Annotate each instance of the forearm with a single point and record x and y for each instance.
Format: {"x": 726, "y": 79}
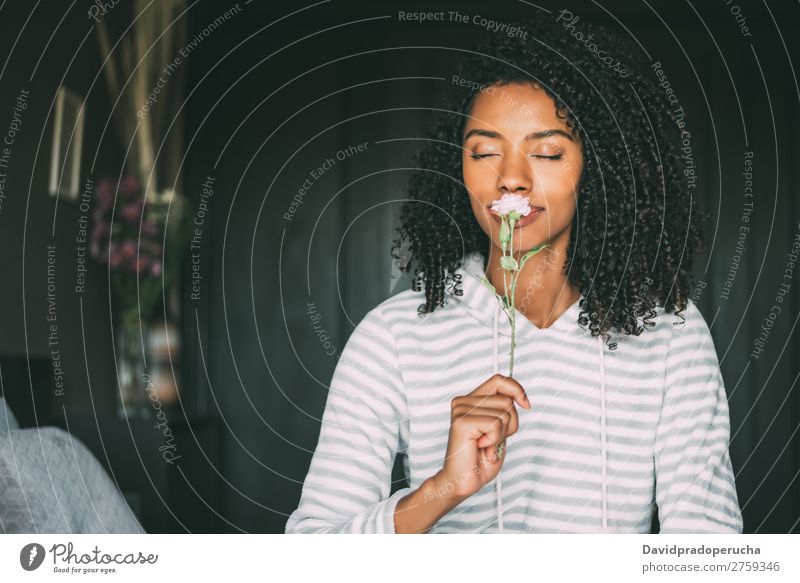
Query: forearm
{"x": 421, "y": 509}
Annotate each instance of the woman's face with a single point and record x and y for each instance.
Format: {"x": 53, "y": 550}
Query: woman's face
{"x": 514, "y": 143}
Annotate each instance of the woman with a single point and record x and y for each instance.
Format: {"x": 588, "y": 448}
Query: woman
{"x": 617, "y": 406}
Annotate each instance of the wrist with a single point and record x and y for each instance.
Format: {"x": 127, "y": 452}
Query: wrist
{"x": 445, "y": 489}
{"x": 419, "y": 511}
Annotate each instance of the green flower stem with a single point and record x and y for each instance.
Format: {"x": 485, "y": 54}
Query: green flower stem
{"x": 509, "y": 263}
{"x": 512, "y": 308}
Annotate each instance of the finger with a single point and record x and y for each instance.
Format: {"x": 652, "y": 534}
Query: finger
{"x": 498, "y": 402}
{"x": 494, "y": 401}
{"x": 488, "y": 429}
{"x": 513, "y": 425}
{"x": 510, "y": 424}
{"x": 506, "y": 423}
{"x": 510, "y": 418}
{"x": 489, "y": 455}
{"x": 502, "y": 385}
{"x": 468, "y": 410}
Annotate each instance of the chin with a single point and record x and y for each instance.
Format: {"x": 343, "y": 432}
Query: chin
{"x": 528, "y": 240}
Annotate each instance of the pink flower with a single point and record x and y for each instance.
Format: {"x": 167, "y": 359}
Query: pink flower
{"x": 141, "y": 264}
{"x": 128, "y": 249}
{"x": 130, "y": 186}
{"x": 100, "y": 231}
{"x": 155, "y": 268}
{"x": 105, "y": 194}
{"x": 131, "y": 212}
{"x": 511, "y": 202}
{"x": 115, "y": 255}
{"x": 105, "y": 187}
{"x": 150, "y": 228}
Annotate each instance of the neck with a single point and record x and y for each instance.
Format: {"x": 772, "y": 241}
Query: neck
{"x": 543, "y": 291}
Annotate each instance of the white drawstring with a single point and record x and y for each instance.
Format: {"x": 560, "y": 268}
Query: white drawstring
{"x": 496, "y": 367}
{"x": 603, "y": 429}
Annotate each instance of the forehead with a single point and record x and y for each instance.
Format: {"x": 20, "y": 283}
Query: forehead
{"x": 515, "y": 106}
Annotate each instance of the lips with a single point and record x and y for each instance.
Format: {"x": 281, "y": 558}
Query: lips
{"x": 527, "y": 219}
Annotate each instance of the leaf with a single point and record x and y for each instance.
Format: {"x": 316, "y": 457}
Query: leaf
{"x": 530, "y": 254}
{"x": 508, "y": 262}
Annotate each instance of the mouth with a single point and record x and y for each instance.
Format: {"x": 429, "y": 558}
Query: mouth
{"x": 526, "y": 220}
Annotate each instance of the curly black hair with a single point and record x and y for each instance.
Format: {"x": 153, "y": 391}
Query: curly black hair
{"x": 637, "y": 224}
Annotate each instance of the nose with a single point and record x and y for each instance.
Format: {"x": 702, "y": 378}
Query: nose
{"x": 514, "y": 175}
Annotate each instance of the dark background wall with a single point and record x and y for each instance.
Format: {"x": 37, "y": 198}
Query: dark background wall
{"x": 272, "y": 93}
{"x": 30, "y": 220}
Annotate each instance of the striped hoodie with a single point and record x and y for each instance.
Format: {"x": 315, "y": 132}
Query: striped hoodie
{"x": 610, "y": 435}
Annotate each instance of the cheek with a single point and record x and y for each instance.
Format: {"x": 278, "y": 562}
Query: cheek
{"x": 559, "y": 181}
{"x": 468, "y": 173}
{"x": 477, "y": 176}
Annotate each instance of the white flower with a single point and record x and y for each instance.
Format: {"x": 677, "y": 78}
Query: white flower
{"x": 511, "y": 202}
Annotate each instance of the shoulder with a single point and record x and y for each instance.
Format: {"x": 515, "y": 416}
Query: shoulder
{"x": 395, "y": 312}
{"x": 670, "y": 328}
{"x": 690, "y": 337}
{"x": 384, "y": 324}
{"x": 687, "y": 323}
{"x": 369, "y": 361}
{"x": 677, "y": 323}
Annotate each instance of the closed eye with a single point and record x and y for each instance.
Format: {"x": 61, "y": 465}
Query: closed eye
{"x": 558, "y": 156}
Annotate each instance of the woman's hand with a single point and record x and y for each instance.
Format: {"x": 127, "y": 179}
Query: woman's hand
{"x": 479, "y": 421}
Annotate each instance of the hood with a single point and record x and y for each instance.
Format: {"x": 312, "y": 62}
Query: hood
{"x": 485, "y": 306}
{"x": 482, "y": 304}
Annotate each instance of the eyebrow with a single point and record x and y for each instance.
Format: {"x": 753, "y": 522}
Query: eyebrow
{"x": 531, "y": 136}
